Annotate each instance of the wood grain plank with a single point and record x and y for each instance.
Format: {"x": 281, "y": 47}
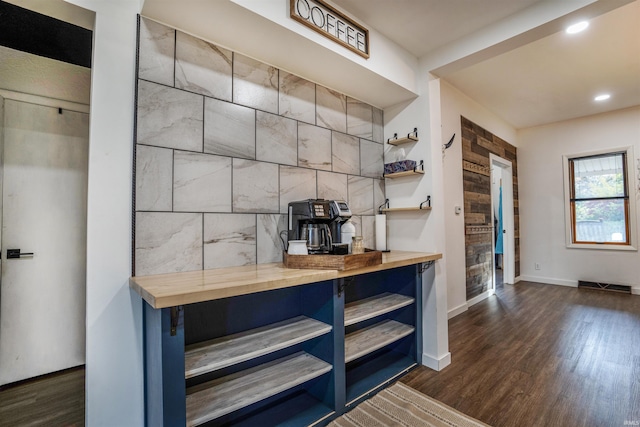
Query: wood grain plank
{"x": 219, "y": 353}
{"x": 367, "y": 340}
{"x": 213, "y": 399}
{"x": 361, "y": 310}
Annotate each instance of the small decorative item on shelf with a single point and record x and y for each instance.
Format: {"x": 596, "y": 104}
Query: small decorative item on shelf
{"x": 403, "y": 166}
{"x": 357, "y": 246}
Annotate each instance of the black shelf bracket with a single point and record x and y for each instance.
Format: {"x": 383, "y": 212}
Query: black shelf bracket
{"x": 419, "y": 167}
{"x": 175, "y": 317}
{"x": 384, "y": 205}
{"x": 342, "y": 284}
{"x": 414, "y": 134}
{"x": 427, "y": 202}
{"x": 425, "y": 266}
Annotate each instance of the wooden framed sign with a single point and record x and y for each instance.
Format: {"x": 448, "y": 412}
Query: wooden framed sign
{"x": 332, "y": 24}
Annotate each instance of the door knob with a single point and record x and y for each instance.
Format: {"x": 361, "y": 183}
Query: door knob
{"x": 15, "y": 253}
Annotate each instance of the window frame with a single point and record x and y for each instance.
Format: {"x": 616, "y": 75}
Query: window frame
{"x": 629, "y": 201}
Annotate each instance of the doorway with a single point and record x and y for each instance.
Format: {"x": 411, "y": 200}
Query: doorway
{"x": 45, "y": 80}
{"x": 44, "y": 196}
{"x": 503, "y": 248}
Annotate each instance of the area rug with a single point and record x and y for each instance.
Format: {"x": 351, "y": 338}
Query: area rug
{"x": 402, "y": 406}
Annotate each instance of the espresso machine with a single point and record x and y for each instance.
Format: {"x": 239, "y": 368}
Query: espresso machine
{"x": 318, "y": 222}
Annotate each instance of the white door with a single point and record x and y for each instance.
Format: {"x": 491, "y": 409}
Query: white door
{"x": 44, "y": 196}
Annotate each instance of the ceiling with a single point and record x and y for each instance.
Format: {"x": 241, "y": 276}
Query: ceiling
{"x": 551, "y": 79}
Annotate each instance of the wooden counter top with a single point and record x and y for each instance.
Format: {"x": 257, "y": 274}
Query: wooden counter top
{"x": 168, "y": 290}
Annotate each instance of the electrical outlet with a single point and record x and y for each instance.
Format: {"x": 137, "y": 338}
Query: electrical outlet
{"x": 537, "y": 266}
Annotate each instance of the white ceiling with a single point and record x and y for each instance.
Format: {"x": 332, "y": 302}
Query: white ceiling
{"x": 421, "y": 26}
{"x": 552, "y": 79}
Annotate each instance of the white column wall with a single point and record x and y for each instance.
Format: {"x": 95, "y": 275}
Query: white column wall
{"x": 114, "y": 370}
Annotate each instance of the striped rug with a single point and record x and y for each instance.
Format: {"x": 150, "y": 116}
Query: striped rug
{"x": 402, "y": 406}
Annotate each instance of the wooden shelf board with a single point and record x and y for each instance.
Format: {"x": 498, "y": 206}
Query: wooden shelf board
{"x": 403, "y": 140}
{"x": 229, "y": 350}
{"x": 404, "y": 173}
{"x": 213, "y": 399}
{"x": 407, "y": 209}
{"x": 359, "y": 311}
{"x": 367, "y": 340}
{"x": 299, "y": 409}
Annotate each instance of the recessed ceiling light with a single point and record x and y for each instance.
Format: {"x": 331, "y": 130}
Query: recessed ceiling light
{"x": 602, "y": 97}
{"x": 576, "y": 28}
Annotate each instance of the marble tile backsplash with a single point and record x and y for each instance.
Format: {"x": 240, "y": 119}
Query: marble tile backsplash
{"x": 225, "y": 142}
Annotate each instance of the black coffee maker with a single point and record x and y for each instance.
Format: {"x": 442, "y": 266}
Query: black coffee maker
{"x": 310, "y": 220}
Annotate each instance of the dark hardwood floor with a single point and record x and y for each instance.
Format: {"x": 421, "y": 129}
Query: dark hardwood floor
{"x": 542, "y": 355}
{"x": 51, "y": 400}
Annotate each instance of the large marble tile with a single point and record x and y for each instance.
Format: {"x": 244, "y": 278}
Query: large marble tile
{"x": 255, "y": 186}
{"x": 371, "y": 159}
{"x": 203, "y": 67}
{"x": 331, "y": 109}
{"x": 314, "y": 147}
{"x": 270, "y": 246}
{"x": 296, "y": 184}
{"x": 255, "y": 84}
{"x": 332, "y": 186}
{"x": 168, "y": 242}
{"x": 154, "y": 168}
{"x": 297, "y": 98}
{"x": 378, "y": 125}
{"x": 201, "y": 183}
{"x": 345, "y": 153}
{"x": 276, "y": 139}
{"x": 229, "y": 240}
{"x": 229, "y": 129}
{"x": 169, "y": 117}
{"x": 360, "y": 195}
{"x": 157, "y": 47}
{"x": 359, "y": 119}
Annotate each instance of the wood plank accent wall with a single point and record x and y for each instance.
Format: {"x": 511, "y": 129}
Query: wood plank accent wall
{"x": 477, "y": 144}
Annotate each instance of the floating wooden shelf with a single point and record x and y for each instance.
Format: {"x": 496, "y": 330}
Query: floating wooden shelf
{"x": 359, "y": 311}
{"x": 213, "y": 399}
{"x": 403, "y": 173}
{"x": 367, "y": 340}
{"x": 411, "y": 137}
{"x": 219, "y": 353}
{"x": 408, "y": 209}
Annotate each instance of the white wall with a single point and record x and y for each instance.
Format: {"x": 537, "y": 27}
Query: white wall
{"x": 455, "y": 104}
{"x": 542, "y": 201}
{"x": 114, "y": 374}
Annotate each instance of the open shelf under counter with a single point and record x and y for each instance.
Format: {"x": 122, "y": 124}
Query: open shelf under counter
{"x": 209, "y": 356}
{"x": 367, "y": 340}
{"x": 213, "y": 399}
{"x": 361, "y": 310}
{"x": 368, "y": 377}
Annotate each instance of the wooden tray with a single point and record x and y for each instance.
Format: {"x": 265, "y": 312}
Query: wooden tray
{"x": 333, "y": 262}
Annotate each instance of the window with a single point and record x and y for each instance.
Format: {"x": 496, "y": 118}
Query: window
{"x": 599, "y": 204}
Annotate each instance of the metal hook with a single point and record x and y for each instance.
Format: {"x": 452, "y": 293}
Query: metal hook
{"x": 386, "y": 203}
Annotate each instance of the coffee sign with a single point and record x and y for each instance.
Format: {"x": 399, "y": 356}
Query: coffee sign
{"x": 332, "y": 24}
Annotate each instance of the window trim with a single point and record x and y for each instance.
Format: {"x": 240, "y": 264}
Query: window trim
{"x": 630, "y": 201}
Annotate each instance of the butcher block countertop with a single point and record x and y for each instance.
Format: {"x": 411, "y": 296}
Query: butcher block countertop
{"x": 173, "y": 289}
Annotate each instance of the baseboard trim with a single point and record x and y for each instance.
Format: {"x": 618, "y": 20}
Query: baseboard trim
{"x": 635, "y": 291}
{"x": 550, "y": 281}
{"x": 516, "y": 280}
{"x": 483, "y": 296}
{"x": 457, "y": 310}
{"x": 437, "y": 364}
